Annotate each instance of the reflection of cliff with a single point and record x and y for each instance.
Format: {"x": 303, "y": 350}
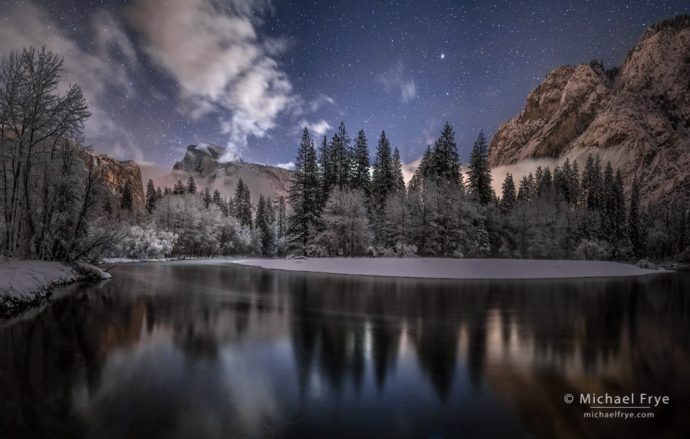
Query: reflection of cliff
{"x": 43, "y": 360}
{"x": 530, "y": 342}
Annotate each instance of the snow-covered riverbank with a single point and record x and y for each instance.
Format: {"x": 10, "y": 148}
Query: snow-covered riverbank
{"x": 26, "y": 282}
{"x": 446, "y": 268}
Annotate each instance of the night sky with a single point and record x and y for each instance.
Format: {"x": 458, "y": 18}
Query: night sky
{"x": 248, "y": 74}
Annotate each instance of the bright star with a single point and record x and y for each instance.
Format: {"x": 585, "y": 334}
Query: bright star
{"x": 443, "y": 56}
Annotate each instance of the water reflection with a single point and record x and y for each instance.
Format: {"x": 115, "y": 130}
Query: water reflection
{"x": 173, "y": 350}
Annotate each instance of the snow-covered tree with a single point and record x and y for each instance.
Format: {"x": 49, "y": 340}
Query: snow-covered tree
{"x": 304, "y": 197}
{"x": 345, "y": 225}
{"x": 479, "y": 172}
{"x": 145, "y": 242}
{"x": 360, "y": 173}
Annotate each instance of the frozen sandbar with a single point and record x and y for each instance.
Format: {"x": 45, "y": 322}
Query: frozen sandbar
{"x": 448, "y": 268}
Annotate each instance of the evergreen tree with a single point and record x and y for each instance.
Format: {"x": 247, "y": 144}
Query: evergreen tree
{"x": 179, "y": 188}
{"x": 264, "y": 226}
{"x": 444, "y": 161}
{"x": 207, "y": 197}
{"x": 326, "y": 169}
{"x": 360, "y": 174}
{"x": 592, "y": 184}
{"x": 621, "y": 243}
{"x": 304, "y": 196}
{"x": 634, "y": 222}
{"x": 282, "y": 218}
{"x": 151, "y": 196}
{"x": 509, "y": 196}
{"x": 243, "y": 205}
{"x": 383, "y": 178}
{"x": 191, "y": 185}
{"x": 479, "y": 172}
{"x": 218, "y": 201}
{"x": 341, "y": 157}
{"x": 127, "y": 202}
{"x": 399, "y": 181}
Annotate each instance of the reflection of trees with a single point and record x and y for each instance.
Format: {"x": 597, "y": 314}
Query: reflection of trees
{"x": 550, "y": 336}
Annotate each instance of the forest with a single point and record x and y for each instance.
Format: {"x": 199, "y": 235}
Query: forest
{"x": 341, "y": 202}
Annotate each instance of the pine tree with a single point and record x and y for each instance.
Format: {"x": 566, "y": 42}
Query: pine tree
{"x": 360, "y": 174}
{"x": 151, "y": 196}
{"x": 191, "y": 185}
{"x": 264, "y": 226}
{"x": 479, "y": 172}
{"x": 179, "y": 188}
{"x": 399, "y": 181}
{"x": 207, "y": 197}
{"x": 243, "y": 206}
{"x": 509, "y": 197}
{"x": 592, "y": 184}
{"x": 621, "y": 241}
{"x": 383, "y": 179}
{"x": 326, "y": 169}
{"x": 218, "y": 201}
{"x": 444, "y": 162}
{"x": 127, "y": 202}
{"x": 282, "y": 218}
{"x": 342, "y": 157}
{"x": 633, "y": 223}
{"x": 304, "y": 196}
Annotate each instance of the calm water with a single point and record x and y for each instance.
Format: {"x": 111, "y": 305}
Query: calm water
{"x": 174, "y": 350}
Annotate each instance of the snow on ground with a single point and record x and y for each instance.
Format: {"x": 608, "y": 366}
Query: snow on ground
{"x": 28, "y": 281}
{"x": 446, "y": 268}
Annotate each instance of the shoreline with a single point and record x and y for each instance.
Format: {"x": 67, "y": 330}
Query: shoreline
{"x": 27, "y": 283}
{"x": 453, "y": 269}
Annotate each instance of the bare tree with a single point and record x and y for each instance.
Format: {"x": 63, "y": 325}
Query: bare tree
{"x": 40, "y": 133}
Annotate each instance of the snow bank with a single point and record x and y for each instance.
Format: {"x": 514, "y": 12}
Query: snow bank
{"x": 446, "y": 268}
{"x": 25, "y": 282}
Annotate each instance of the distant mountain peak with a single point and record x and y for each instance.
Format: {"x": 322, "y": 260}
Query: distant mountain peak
{"x": 203, "y": 162}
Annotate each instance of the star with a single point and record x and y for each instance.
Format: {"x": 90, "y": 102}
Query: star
{"x": 443, "y": 56}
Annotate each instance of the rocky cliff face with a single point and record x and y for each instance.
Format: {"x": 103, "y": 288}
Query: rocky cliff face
{"x": 115, "y": 175}
{"x": 637, "y": 116}
{"x": 202, "y": 162}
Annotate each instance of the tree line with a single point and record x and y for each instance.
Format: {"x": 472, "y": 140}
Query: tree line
{"x": 341, "y": 202}
{"x": 344, "y": 206}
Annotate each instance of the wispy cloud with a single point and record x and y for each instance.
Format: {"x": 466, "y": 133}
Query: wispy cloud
{"x": 319, "y": 128}
{"x": 95, "y": 71}
{"x": 396, "y": 79}
{"x": 220, "y": 62}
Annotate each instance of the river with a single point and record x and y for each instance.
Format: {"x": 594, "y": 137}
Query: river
{"x": 170, "y": 350}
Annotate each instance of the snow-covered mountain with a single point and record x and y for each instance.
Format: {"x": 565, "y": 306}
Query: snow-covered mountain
{"x": 636, "y": 116}
{"x": 203, "y": 163}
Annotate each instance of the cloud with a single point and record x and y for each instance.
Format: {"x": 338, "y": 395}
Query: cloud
{"x": 395, "y": 79}
{"x": 95, "y": 72}
{"x": 316, "y": 128}
{"x": 220, "y": 63}
{"x": 289, "y": 165}
{"x": 519, "y": 170}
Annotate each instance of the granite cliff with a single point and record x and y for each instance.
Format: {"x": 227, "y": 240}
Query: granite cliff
{"x": 637, "y": 116}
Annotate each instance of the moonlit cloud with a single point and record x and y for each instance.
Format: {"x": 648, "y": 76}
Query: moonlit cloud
{"x": 319, "y": 128}
{"x": 220, "y": 63}
{"x": 95, "y": 71}
{"x": 396, "y": 79}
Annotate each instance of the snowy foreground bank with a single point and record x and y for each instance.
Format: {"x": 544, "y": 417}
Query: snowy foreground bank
{"x": 26, "y": 282}
{"x": 446, "y": 268}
